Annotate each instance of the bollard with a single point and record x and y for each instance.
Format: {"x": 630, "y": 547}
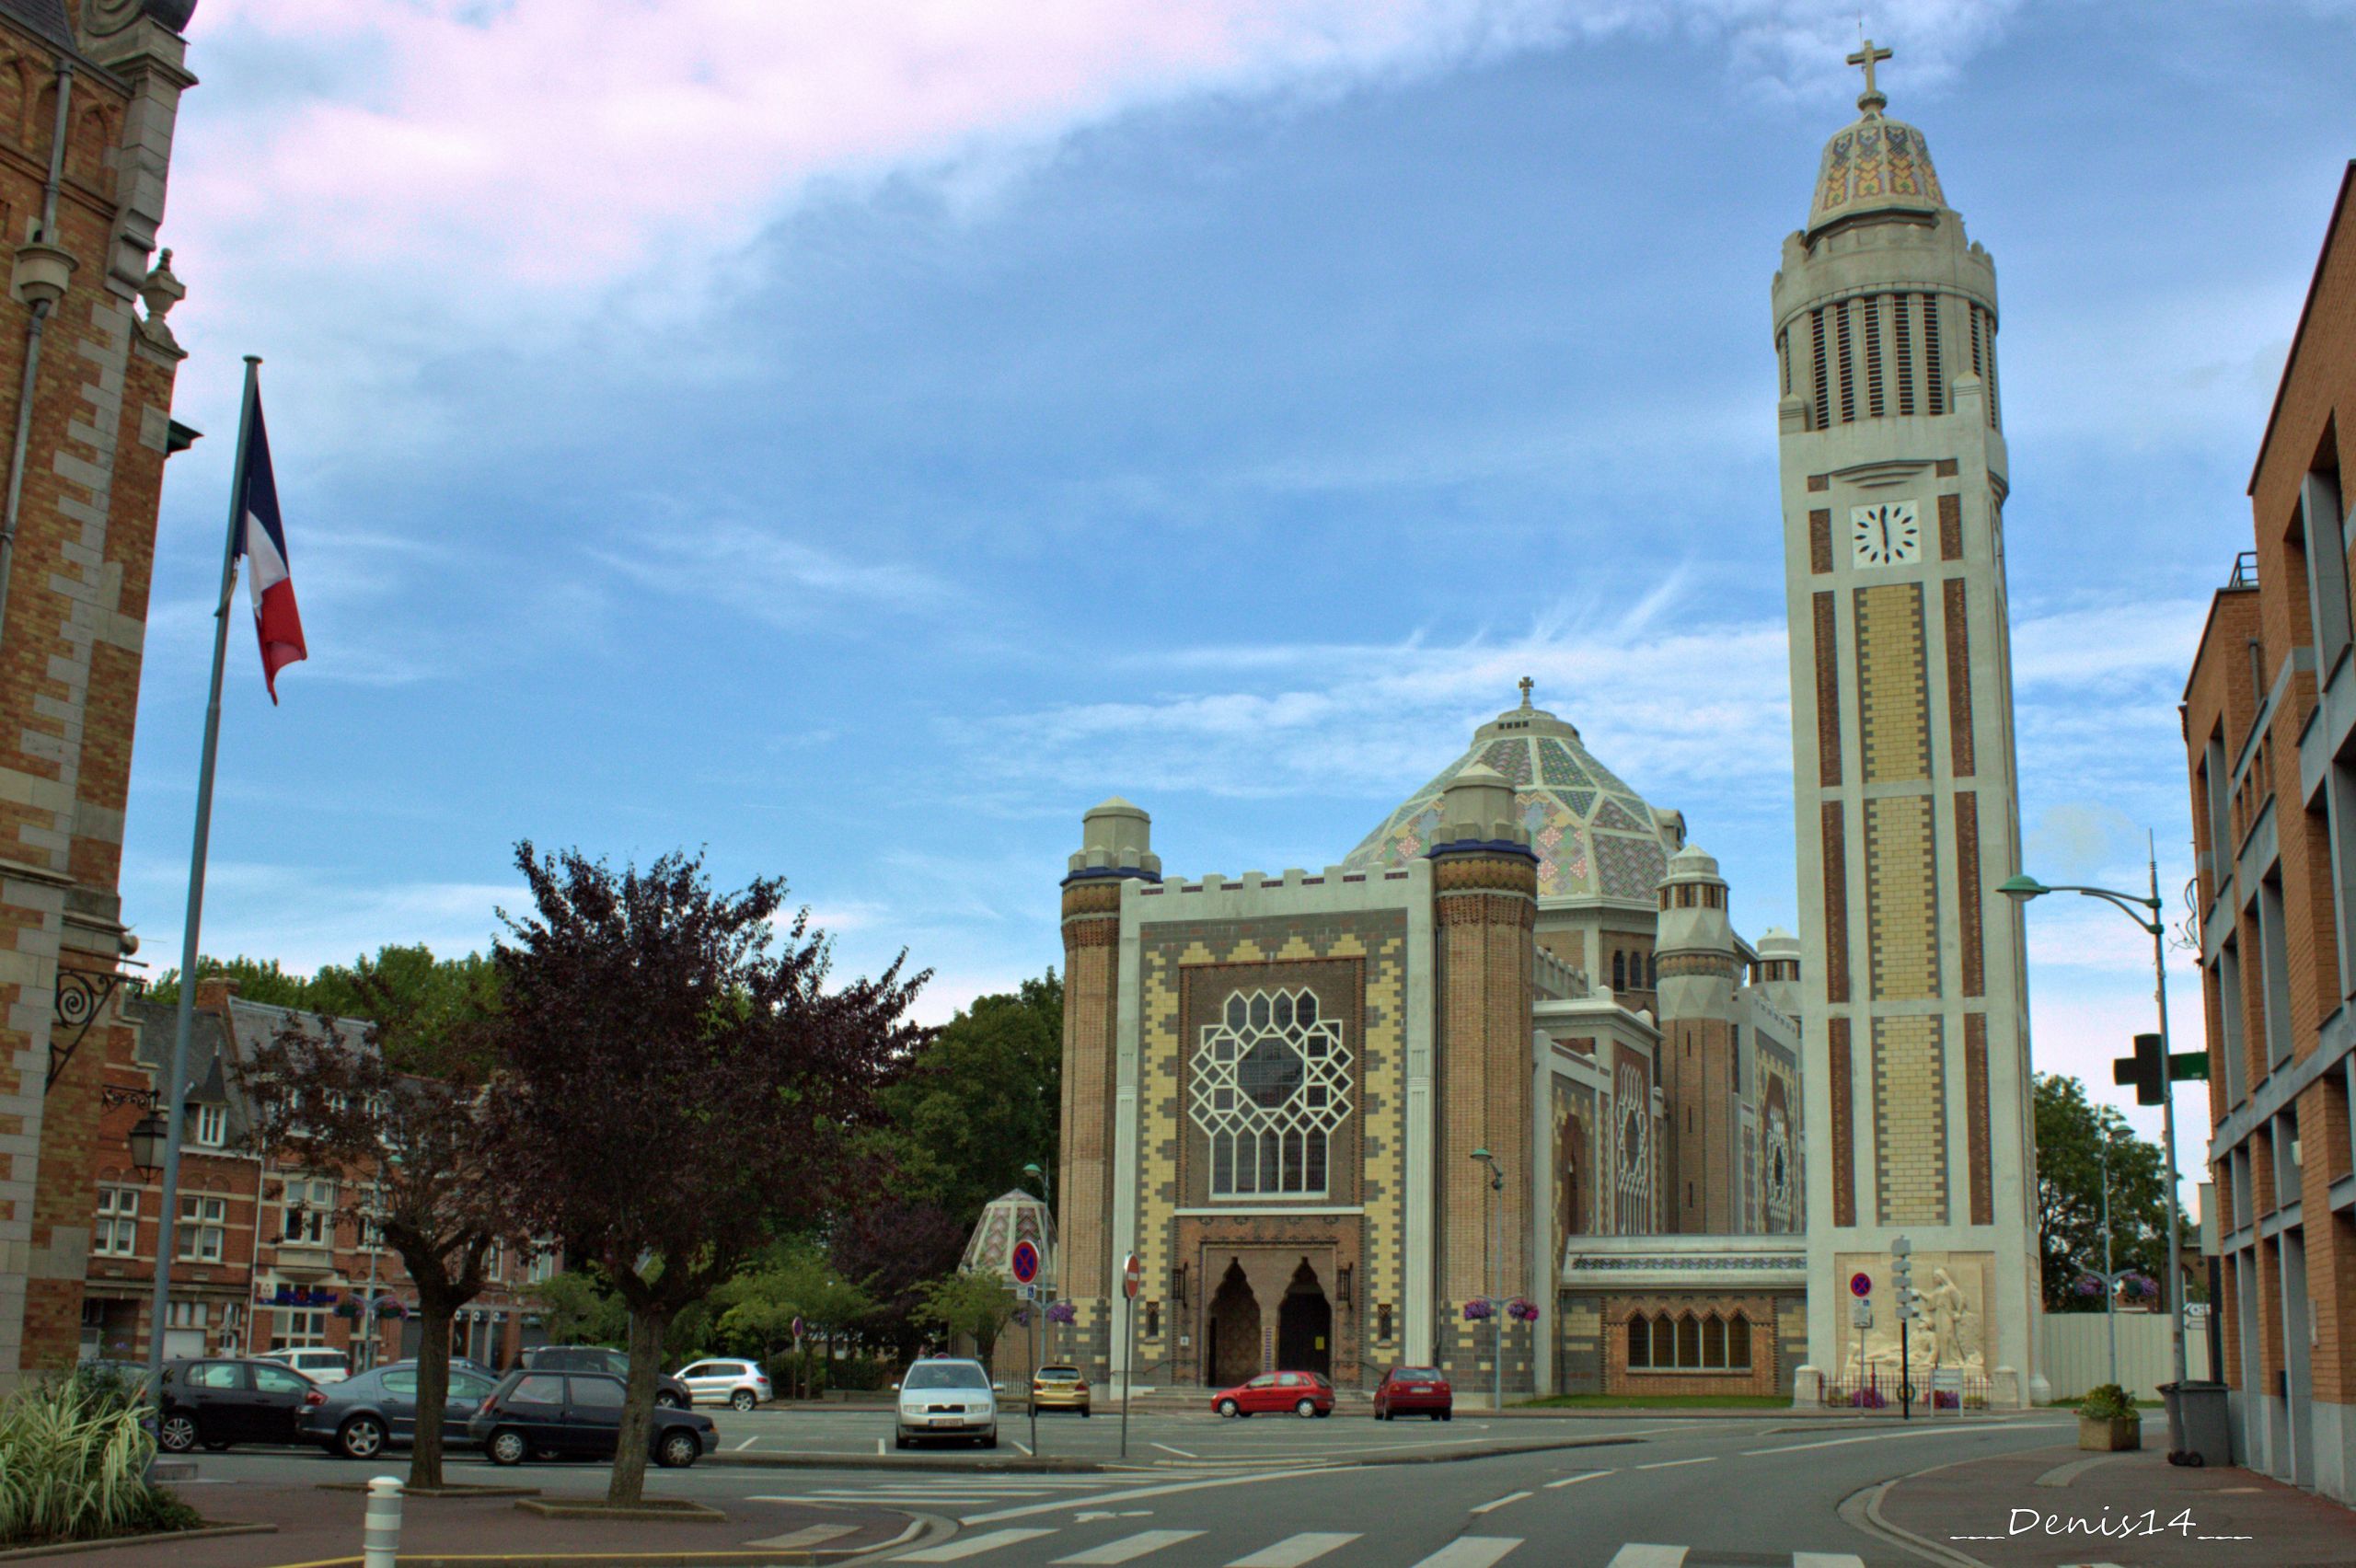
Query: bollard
{"x": 380, "y": 1537}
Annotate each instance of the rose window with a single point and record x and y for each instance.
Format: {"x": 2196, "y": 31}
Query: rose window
{"x": 1271, "y": 1083}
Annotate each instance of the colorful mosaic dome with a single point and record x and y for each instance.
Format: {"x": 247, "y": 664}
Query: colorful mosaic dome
{"x": 1010, "y": 1218}
{"x": 1595, "y": 836}
{"x": 1875, "y": 164}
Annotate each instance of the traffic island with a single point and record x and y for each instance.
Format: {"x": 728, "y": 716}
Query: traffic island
{"x": 683, "y": 1510}
{"x": 2046, "y": 1507}
{"x": 448, "y": 1489}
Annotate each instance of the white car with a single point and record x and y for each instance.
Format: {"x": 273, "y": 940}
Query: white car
{"x": 946, "y": 1398}
{"x": 319, "y": 1366}
{"x": 743, "y": 1384}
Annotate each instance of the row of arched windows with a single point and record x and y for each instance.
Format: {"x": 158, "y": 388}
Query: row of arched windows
{"x": 1635, "y": 970}
{"x": 1660, "y": 1343}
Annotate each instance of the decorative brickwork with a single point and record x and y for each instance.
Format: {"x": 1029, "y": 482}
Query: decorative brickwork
{"x": 1820, "y": 540}
{"x": 1828, "y": 692}
{"x": 1950, "y": 527}
{"x": 1910, "y": 1122}
{"x": 1766, "y": 1374}
{"x": 1960, "y": 748}
{"x": 1842, "y": 1075}
{"x": 1901, "y": 897}
{"x": 1893, "y": 691}
{"x": 1820, "y": 482}
{"x": 1970, "y": 915}
{"x": 1944, "y": 468}
{"x": 1836, "y": 904}
{"x": 1975, "y": 1113}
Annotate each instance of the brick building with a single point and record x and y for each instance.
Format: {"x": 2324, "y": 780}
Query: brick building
{"x": 89, "y": 91}
{"x": 2270, "y": 726}
{"x": 272, "y": 1256}
{"x": 1276, "y": 1088}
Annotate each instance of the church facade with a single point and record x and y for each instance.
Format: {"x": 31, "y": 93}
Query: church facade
{"x": 1355, "y": 1118}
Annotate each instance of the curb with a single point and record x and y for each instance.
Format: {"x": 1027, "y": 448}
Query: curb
{"x": 1921, "y": 1546}
{"x": 435, "y": 1494}
{"x": 66, "y": 1548}
{"x": 1093, "y": 1467}
{"x": 681, "y": 1510}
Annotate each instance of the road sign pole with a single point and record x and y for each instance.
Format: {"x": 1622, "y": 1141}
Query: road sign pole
{"x": 1033, "y": 1400}
{"x": 1128, "y": 1371}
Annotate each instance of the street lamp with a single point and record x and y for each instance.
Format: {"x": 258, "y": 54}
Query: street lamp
{"x": 1497, "y": 1323}
{"x": 2145, "y": 910}
{"x": 148, "y": 1139}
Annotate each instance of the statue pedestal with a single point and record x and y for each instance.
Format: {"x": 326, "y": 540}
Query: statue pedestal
{"x": 2005, "y": 1389}
{"x": 1807, "y": 1388}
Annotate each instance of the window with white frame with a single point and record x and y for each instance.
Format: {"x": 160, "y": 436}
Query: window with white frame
{"x": 185, "y": 1315}
{"x": 1272, "y": 1082}
{"x": 546, "y": 1265}
{"x": 212, "y": 1125}
{"x": 310, "y": 1212}
{"x": 116, "y": 1234}
{"x": 203, "y": 1229}
{"x": 292, "y": 1329}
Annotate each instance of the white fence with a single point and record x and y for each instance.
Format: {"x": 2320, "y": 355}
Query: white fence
{"x": 2077, "y": 1355}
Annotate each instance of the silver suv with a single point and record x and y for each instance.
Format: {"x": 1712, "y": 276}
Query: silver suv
{"x": 946, "y": 1398}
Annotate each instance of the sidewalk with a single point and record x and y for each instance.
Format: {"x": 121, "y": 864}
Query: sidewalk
{"x": 2048, "y": 1506}
{"x": 317, "y": 1526}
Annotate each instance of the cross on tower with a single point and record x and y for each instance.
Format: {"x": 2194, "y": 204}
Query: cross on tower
{"x": 1526, "y": 684}
{"x": 1868, "y": 56}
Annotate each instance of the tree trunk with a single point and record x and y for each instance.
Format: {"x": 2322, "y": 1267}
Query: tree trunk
{"x": 432, "y": 1390}
{"x": 636, "y": 1436}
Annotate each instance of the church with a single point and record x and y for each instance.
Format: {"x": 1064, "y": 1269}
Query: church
{"x": 1504, "y": 1090}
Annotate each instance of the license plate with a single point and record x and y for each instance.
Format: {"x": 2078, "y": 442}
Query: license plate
{"x": 948, "y": 1420}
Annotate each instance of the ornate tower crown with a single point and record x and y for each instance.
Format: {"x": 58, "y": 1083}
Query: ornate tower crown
{"x": 1876, "y": 164}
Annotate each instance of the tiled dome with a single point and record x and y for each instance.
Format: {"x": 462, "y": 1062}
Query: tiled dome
{"x": 1594, "y": 835}
{"x": 1875, "y": 164}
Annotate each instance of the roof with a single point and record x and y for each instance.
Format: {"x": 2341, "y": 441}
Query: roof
{"x": 2315, "y": 286}
{"x": 1006, "y": 1219}
{"x": 1595, "y": 836}
{"x": 210, "y": 1076}
{"x": 46, "y": 20}
{"x": 1875, "y": 164}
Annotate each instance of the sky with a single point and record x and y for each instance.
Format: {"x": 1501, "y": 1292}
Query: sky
{"x": 850, "y": 440}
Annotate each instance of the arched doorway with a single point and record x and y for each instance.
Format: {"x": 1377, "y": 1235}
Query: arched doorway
{"x": 1305, "y": 1325}
{"x": 1231, "y": 1348}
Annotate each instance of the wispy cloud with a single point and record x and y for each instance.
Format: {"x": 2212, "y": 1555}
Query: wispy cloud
{"x": 763, "y": 574}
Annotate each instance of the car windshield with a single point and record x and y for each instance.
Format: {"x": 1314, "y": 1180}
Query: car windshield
{"x": 944, "y": 1375}
{"x": 1415, "y": 1375}
{"x": 1058, "y": 1371}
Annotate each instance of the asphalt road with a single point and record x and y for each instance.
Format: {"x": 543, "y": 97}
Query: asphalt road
{"x": 1281, "y": 1492}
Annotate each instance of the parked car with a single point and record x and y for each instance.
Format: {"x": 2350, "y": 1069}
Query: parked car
{"x": 1059, "y": 1388}
{"x": 218, "y": 1402}
{"x": 1414, "y": 1391}
{"x": 561, "y": 1414}
{"x": 1303, "y": 1393}
{"x": 319, "y": 1365}
{"x": 943, "y": 1396}
{"x": 669, "y": 1392}
{"x": 362, "y": 1416}
{"x": 740, "y": 1384}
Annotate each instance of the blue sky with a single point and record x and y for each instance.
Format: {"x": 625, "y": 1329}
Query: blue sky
{"x": 856, "y": 442}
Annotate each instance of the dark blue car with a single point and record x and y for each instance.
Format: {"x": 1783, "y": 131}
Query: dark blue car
{"x": 376, "y": 1411}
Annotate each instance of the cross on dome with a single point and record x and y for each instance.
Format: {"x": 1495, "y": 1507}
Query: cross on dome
{"x": 1867, "y": 55}
{"x": 1526, "y": 684}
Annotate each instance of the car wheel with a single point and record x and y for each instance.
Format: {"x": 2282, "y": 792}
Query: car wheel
{"x": 1447, "y": 1415}
{"x": 677, "y": 1450}
{"x": 741, "y": 1400}
{"x": 1305, "y": 1409}
{"x": 508, "y": 1447}
{"x": 1083, "y": 1412}
{"x": 363, "y": 1437}
{"x": 1228, "y": 1408}
{"x": 990, "y": 1441}
{"x": 900, "y": 1440}
{"x": 666, "y": 1399}
{"x": 179, "y": 1434}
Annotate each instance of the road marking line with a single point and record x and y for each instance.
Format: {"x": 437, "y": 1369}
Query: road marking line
{"x": 1169, "y": 1488}
{"x": 1886, "y": 1436}
{"x": 1638, "y": 1555}
{"x": 879, "y": 1447}
{"x": 1294, "y": 1550}
{"x": 972, "y": 1546}
{"x": 1495, "y": 1503}
{"x": 1471, "y": 1551}
{"x": 1574, "y": 1480}
{"x": 809, "y": 1535}
{"x": 746, "y": 1443}
{"x": 1672, "y": 1464}
{"x": 1826, "y": 1559}
{"x": 1180, "y": 1452}
{"x": 1130, "y": 1547}
{"x": 1018, "y": 1442}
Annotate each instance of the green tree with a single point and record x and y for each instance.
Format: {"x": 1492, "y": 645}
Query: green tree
{"x": 259, "y": 980}
{"x": 2071, "y": 1133}
{"x": 980, "y": 1101}
{"x": 756, "y": 1310}
{"x": 578, "y": 1307}
{"x": 971, "y": 1301}
{"x": 419, "y": 1003}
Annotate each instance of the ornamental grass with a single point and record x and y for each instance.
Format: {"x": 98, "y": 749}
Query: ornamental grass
{"x": 73, "y": 1458}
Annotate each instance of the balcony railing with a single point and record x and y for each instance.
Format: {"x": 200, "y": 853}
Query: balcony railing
{"x": 2245, "y": 571}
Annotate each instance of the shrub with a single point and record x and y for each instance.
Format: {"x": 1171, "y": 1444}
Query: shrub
{"x": 73, "y": 1458}
{"x": 2108, "y": 1402}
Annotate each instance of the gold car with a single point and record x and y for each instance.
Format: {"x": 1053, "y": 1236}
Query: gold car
{"x": 1059, "y": 1388}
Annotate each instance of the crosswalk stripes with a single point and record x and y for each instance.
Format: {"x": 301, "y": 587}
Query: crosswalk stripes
{"x": 1294, "y": 1550}
{"x": 1826, "y": 1559}
{"x": 1471, "y": 1551}
{"x": 1126, "y": 1547}
{"x": 973, "y": 1546}
{"x": 1637, "y": 1554}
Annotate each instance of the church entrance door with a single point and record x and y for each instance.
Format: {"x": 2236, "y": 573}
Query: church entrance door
{"x": 1305, "y": 1326}
{"x": 1231, "y": 1344}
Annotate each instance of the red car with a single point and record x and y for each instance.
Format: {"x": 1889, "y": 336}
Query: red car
{"x": 1303, "y": 1393}
{"x": 1414, "y": 1391}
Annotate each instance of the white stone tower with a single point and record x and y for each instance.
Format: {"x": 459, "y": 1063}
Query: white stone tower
{"x": 1914, "y": 1003}
{"x": 1699, "y": 973}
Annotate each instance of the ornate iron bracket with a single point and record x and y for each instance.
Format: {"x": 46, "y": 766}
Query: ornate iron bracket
{"x": 82, "y": 996}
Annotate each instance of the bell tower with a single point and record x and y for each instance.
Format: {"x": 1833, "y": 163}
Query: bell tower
{"x": 1913, "y": 987}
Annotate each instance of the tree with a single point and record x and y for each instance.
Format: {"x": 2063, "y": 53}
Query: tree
{"x": 412, "y": 1151}
{"x": 414, "y": 998}
{"x": 259, "y": 980}
{"x": 891, "y": 1248}
{"x": 970, "y": 1301}
{"x": 678, "y": 1083}
{"x": 794, "y": 1281}
{"x": 981, "y": 1101}
{"x": 577, "y": 1307}
{"x": 2071, "y": 1133}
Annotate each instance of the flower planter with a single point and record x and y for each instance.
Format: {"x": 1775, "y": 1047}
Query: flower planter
{"x": 2118, "y": 1433}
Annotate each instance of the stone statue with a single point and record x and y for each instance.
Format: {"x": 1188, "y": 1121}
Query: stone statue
{"x": 1950, "y": 1313}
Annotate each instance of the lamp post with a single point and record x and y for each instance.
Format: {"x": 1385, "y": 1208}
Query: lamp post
{"x": 1496, "y": 1325}
{"x": 1039, "y": 1304}
{"x": 2145, "y": 910}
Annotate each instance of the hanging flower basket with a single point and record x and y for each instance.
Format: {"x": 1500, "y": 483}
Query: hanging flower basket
{"x": 1063, "y": 1312}
{"x": 389, "y": 1308}
{"x": 2140, "y": 1287}
{"x": 1478, "y": 1310}
{"x": 2087, "y": 1286}
{"x": 1022, "y": 1318}
{"x": 349, "y": 1310}
{"x": 1521, "y": 1311}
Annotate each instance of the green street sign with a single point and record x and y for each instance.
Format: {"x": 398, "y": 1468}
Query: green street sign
{"x": 2188, "y": 1067}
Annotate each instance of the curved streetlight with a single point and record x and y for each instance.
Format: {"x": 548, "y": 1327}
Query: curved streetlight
{"x": 2145, "y": 910}
{"x": 1497, "y": 1323}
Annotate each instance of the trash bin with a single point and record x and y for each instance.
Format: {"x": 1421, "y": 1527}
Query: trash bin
{"x": 2200, "y": 1432}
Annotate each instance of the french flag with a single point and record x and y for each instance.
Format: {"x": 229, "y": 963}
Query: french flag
{"x": 262, "y": 541}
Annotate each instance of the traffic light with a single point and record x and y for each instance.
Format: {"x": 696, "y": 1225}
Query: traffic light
{"x": 2146, "y": 1069}
{"x": 1902, "y": 1276}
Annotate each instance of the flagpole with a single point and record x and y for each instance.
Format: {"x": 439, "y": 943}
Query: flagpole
{"x": 174, "y": 1112}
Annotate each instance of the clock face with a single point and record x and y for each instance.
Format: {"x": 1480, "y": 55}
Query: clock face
{"x": 1887, "y": 532}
